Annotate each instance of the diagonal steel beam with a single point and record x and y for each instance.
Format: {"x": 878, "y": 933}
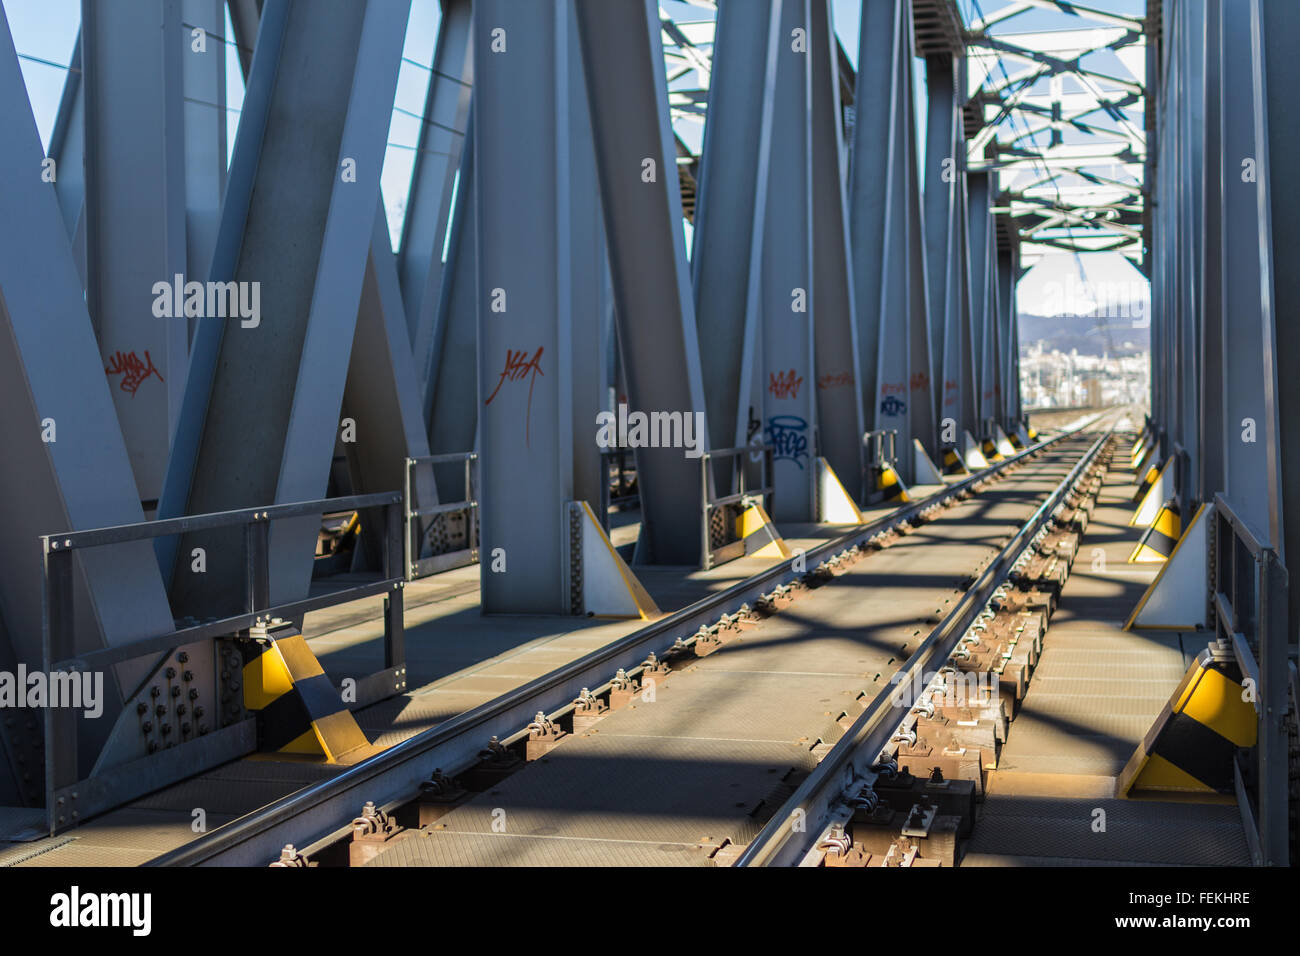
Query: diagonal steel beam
{"x": 623, "y": 59}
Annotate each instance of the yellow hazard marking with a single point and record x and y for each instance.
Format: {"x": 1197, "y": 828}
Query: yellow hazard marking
{"x": 754, "y": 520}
{"x": 1157, "y": 773}
{"x": 266, "y": 678}
{"x": 1216, "y": 702}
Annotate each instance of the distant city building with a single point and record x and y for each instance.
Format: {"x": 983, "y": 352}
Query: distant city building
{"x": 1050, "y": 378}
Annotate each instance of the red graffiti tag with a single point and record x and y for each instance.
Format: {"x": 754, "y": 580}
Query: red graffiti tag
{"x": 893, "y": 388}
{"x": 132, "y": 369}
{"x": 919, "y": 381}
{"x": 834, "y": 380}
{"x": 785, "y": 384}
{"x": 519, "y": 366}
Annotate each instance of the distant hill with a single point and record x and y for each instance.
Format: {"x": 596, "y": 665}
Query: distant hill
{"x": 1086, "y": 334}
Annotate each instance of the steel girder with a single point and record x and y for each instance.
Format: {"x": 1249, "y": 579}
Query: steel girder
{"x": 524, "y": 205}
{"x": 948, "y": 268}
{"x": 1222, "y": 227}
{"x": 888, "y": 239}
{"x": 786, "y": 301}
{"x": 381, "y": 396}
{"x": 1086, "y": 196}
{"x": 1008, "y": 351}
{"x": 944, "y": 155}
{"x": 729, "y": 212}
{"x": 429, "y": 205}
{"x": 151, "y": 199}
{"x": 984, "y": 297}
{"x": 774, "y": 295}
{"x": 627, "y": 88}
{"x": 68, "y": 150}
{"x": 839, "y": 398}
{"x": 65, "y": 464}
{"x": 261, "y": 412}
{"x": 450, "y": 397}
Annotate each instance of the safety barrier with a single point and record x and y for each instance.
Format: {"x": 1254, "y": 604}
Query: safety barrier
{"x": 744, "y": 496}
{"x": 69, "y": 798}
{"x": 1249, "y": 614}
{"x": 415, "y": 532}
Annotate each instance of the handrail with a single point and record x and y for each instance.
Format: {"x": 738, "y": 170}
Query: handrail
{"x": 1248, "y": 608}
{"x": 312, "y": 813}
{"x": 58, "y": 641}
{"x": 413, "y": 565}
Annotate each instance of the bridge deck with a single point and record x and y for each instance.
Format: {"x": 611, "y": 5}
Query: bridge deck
{"x": 1095, "y": 693}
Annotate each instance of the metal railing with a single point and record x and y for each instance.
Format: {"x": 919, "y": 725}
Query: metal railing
{"x": 710, "y": 556}
{"x": 312, "y": 817}
{"x": 879, "y": 449}
{"x": 1248, "y": 607}
{"x": 416, "y": 566}
{"x": 70, "y": 799}
{"x": 881, "y": 446}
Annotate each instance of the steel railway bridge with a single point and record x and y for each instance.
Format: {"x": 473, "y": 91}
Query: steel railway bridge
{"x": 606, "y": 435}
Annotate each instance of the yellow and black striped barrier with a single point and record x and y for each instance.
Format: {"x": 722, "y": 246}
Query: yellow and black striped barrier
{"x": 1159, "y": 540}
{"x": 952, "y": 463}
{"x": 298, "y": 708}
{"x": 991, "y": 450}
{"x": 1145, "y": 484}
{"x": 1191, "y": 745}
{"x": 761, "y": 538}
{"x": 889, "y": 486}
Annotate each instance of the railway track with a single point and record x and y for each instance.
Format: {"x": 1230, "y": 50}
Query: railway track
{"x": 733, "y": 731}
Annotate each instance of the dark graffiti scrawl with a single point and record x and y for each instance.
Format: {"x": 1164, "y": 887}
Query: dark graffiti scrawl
{"x": 788, "y": 436}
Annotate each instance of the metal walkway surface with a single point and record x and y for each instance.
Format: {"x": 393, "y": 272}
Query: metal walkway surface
{"x": 457, "y": 659}
{"x": 676, "y": 780}
{"x": 1096, "y": 692}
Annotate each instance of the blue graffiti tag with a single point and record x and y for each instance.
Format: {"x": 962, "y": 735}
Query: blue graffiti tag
{"x": 892, "y": 406}
{"x": 786, "y": 435}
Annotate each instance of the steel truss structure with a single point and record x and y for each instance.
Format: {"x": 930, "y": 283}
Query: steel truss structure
{"x": 1223, "y": 227}
{"x": 842, "y": 279}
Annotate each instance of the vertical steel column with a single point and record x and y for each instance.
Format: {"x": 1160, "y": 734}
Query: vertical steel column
{"x": 943, "y": 168}
{"x": 1192, "y": 140}
{"x": 522, "y": 133}
{"x": 1213, "y": 433}
{"x": 730, "y": 211}
{"x": 1007, "y": 344}
{"x": 960, "y": 386}
{"x": 835, "y": 371}
{"x": 1249, "y": 380}
{"x": 983, "y": 291}
{"x": 1275, "y": 25}
{"x": 135, "y": 166}
{"x": 888, "y": 242}
{"x": 787, "y": 299}
{"x": 588, "y": 282}
{"x": 623, "y": 57}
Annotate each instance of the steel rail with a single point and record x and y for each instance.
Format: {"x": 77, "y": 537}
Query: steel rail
{"x": 798, "y": 826}
{"x": 313, "y": 814}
